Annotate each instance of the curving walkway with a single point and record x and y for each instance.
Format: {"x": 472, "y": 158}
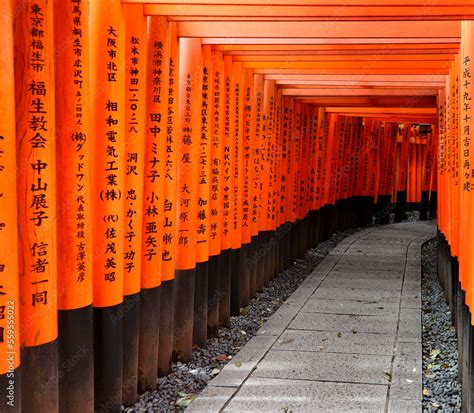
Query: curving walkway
{"x": 347, "y": 340}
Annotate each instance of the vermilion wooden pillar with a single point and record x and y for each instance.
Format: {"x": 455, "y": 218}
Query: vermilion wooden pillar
{"x": 219, "y": 267}
{"x": 156, "y": 57}
{"x": 136, "y": 65}
{"x": 267, "y": 187}
{"x": 10, "y": 384}
{"x": 203, "y": 204}
{"x": 257, "y": 182}
{"x": 247, "y": 181}
{"x": 107, "y": 25}
{"x": 74, "y": 142}
{"x": 169, "y": 244}
{"x": 189, "y": 130}
{"x": 35, "y": 131}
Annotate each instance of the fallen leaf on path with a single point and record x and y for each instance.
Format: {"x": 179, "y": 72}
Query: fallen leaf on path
{"x": 288, "y": 340}
{"x": 185, "y": 399}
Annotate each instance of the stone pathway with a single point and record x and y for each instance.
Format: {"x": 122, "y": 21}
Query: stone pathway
{"x": 347, "y": 340}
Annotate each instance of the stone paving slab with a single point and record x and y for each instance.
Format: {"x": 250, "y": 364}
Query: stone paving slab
{"x": 335, "y": 342}
{"x": 374, "y": 257}
{"x": 365, "y": 274}
{"x": 357, "y": 294}
{"x": 212, "y": 399}
{"x": 280, "y": 320}
{"x": 406, "y": 380}
{"x": 344, "y": 322}
{"x": 413, "y": 277}
{"x": 404, "y": 406}
{"x": 303, "y": 396}
{"x": 367, "y": 265}
{"x": 411, "y": 303}
{"x": 408, "y": 349}
{"x": 347, "y": 340}
{"x": 242, "y": 364}
{"x": 349, "y": 307}
{"x": 322, "y": 366}
{"x": 332, "y": 281}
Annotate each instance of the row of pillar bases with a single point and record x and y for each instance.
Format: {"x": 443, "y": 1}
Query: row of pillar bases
{"x": 448, "y": 273}
{"x": 105, "y": 357}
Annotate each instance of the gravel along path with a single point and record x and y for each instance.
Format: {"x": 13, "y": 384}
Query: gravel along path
{"x": 441, "y": 388}
{"x": 181, "y": 386}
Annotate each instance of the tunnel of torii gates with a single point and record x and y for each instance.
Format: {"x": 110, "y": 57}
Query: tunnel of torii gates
{"x": 160, "y": 163}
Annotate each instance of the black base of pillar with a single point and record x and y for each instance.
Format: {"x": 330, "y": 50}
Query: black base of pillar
{"x": 183, "y": 314}
{"x": 149, "y": 331}
{"x": 401, "y": 206}
{"x": 294, "y": 241}
{"x": 287, "y": 241}
{"x": 76, "y": 360}
{"x": 413, "y": 206}
{"x": 265, "y": 249}
{"x": 465, "y": 365}
{"x": 383, "y": 209}
{"x": 165, "y": 340}
{"x": 224, "y": 288}
{"x": 213, "y": 296}
{"x": 131, "y": 324}
{"x": 323, "y": 223}
{"x": 108, "y": 359}
{"x": 39, "y": 384}
{"x": 304, "y": 235}
{"x": 252, "y": 264}
{"x": 235, "y": 282}
{"x": 276, "y": 251}
{"x": 315, "y": 229}
{"x": 200, "y": 304}
{"x": 433, "y": 205}
{"x": 424, "y": 206}
{"x": 259, "y": 259}
{"x": 339, "y": 206}
{"x": 369, "y": 206}
{"x": 244, "y": 276}
{"x": 279, "y": 249}
{"x": 445, "y": 274}
{"x": 353, "y": 206}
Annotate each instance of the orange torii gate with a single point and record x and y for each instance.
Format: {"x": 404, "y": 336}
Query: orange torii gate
{"x": 169, "y": 158}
